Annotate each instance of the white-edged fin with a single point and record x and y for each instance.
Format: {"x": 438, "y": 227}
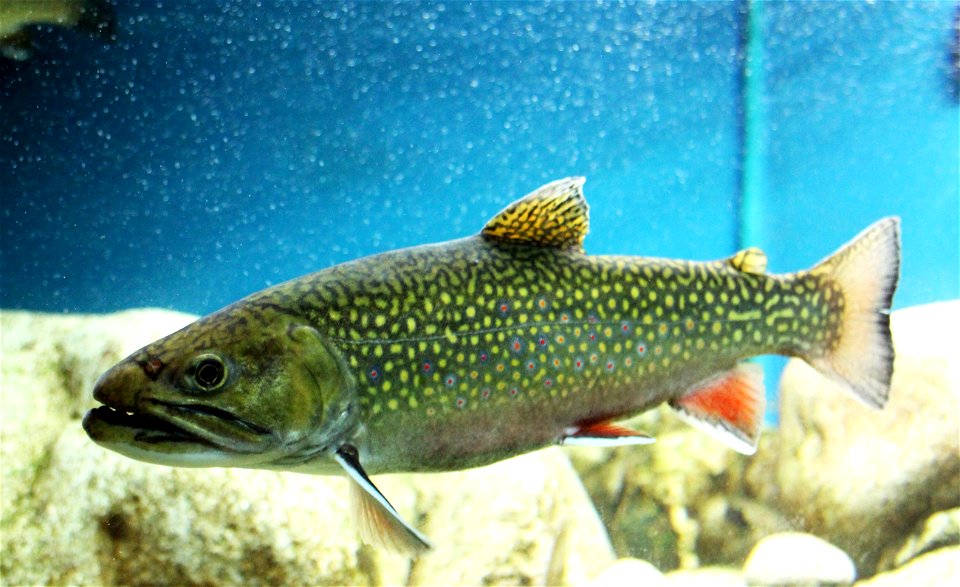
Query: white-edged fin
{"x": 380, "y": 524}
{"x": 728, "y": 407}
{"x": 867, "y": 270}
{"x": 603, "y": 434}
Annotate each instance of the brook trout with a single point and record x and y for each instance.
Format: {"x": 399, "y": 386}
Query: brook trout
{"x": 459, "y": 354}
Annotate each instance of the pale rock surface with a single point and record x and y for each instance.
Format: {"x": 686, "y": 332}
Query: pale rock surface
{"x": 680, "y": 502}
{"x": 706, "y": 577}
{"x": 940, "y": 568}
{"x": 629, "y": 571}
{"x": 938, "y": 531}
{"x": 793, "y": 558}
{"x": 76, "y": 513}
{"x": 863, "y": 478}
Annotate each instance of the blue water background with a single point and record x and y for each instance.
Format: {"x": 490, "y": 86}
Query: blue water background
{"x": 221, "y": 147}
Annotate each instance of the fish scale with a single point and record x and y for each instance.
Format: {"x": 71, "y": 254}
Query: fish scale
{"x": 531, "y": 325}
{"x": 459, "y": 354}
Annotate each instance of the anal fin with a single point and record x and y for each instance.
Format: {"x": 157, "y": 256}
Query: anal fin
{"x": 379, "y": 522}
{"x": 603, "y": 433}
{"x": 728, "y": 406}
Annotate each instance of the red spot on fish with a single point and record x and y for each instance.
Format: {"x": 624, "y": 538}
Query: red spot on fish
{"x": 610, "y": 365}
{"x": 531, "y": 366}
{"x": 593, "y": 336}
{"x": 578, "y": 364}
{"x": 542, "y": 303}
{"x": 564, "y": 317}
{"x": 153, "y": 367}
{"x": 625, "y": 327}
{"x": 548, "y": 382}
{"x": 484, "y": 357}
{"x": 461, "y": 402}
{"x": 450, "y": 380}
{"x": 426, "y": 367}
{"x": 514, "y": 391}
{"x": 485, "y": 394}
{"x": 374, "y": 374}
{"x": 542, "y": 341}
{"x": 641, "y": 349}
{"x": 517, "y": 345}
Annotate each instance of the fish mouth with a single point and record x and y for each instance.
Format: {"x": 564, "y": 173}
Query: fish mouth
{"x": 146, "y": 428}
{"x": 168, "y": 428}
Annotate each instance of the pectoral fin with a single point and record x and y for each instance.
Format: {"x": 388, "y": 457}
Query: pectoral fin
{"x": 379, "y": 521}
{"x": 604, "y": 434}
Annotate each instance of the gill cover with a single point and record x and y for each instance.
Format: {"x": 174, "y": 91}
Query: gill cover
{"x": 223, "y": 392}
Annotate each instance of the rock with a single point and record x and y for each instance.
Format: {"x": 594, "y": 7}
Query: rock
{"x": 629, "y": 571}
{"x": 680, "y": 502}
{"x": 792, "y": 558}
{"x": 863, "y": 478}
{"x": 50, "y": 363}
{"x": 76, "y": 513}
{"x": 706, "y": 577}
{"x": 939, "y": 530}
{"x": 511, "y": 523}
{"x": 934, "y": 569}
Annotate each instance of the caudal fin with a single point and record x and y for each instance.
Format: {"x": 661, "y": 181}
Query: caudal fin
{"x": 866, "y": 270}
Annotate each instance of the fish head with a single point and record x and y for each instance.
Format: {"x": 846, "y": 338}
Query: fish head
{"x": 234, "y": 389}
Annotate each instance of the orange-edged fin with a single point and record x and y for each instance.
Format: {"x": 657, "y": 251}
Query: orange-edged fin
{"x": 866, "y": 270}
{"x": 729, "y": 407}
{"x": 603, "y": 434}
{"x": 380, "y": 524}
{"x": 554, "y": 215}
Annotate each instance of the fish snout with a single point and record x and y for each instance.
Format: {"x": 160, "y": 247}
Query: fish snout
{"x": 119, "y": 386}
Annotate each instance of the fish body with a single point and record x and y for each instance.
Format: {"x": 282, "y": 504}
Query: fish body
{"x": 460, "y": 354}
{"x": 16, "y": 16}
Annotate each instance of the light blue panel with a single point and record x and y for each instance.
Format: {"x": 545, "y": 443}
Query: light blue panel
{"x": 220, "y": 147}
{"x": 863, "y": 126}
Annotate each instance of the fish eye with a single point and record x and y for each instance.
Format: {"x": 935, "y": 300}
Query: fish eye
{"x": 209, "y": 372}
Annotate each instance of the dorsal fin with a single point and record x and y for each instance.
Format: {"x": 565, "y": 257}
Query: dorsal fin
{"x": 554, "y": 215}
{"x": 751, "y": 260}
